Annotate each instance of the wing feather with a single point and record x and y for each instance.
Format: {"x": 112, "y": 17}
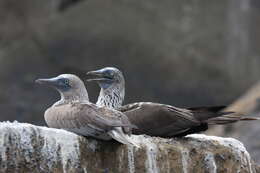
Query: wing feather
{"x": 158, "y": 119}
{"x": 80, "y": 115}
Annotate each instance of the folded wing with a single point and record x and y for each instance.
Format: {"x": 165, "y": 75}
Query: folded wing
{"x": 168, "y": 121}
{"x": 85, "y": 116}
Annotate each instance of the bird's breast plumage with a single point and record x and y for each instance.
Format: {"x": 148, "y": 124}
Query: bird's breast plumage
{"x": 74, "y": 118}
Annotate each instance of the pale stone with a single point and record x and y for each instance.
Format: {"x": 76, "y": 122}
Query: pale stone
{"x": 29, "y": 148}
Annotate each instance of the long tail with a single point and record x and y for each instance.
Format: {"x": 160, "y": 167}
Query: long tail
{"x": 227, "y": 119}
{"x": 118, "y": 134}
{"x": 205, "y": 113}
{"x": 218, "y": 115}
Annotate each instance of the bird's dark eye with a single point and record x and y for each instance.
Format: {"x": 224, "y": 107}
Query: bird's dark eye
{"x": 111, "y": 73}
{"x": 66, "y": 81}
{"x": 108, "y": 74}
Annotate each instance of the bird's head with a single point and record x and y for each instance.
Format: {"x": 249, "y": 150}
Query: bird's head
{"x": 69, "y": 85}
{"x": 107, "y": 77}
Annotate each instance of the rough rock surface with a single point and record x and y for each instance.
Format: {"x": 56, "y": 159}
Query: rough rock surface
{"x": 29, "y": 148}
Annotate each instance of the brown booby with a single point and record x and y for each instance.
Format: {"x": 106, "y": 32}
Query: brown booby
{"x": 157, "y": 119}
{"x": 74, "y": 112}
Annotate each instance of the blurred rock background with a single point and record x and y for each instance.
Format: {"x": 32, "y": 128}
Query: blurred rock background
{"x": 179, "y": 52}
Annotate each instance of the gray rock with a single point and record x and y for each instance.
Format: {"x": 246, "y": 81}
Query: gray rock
{"x": 29, "y": 148}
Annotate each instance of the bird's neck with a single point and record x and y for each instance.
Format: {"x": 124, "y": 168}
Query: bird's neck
{"x": 111, "y": 97}
{"x": 76, "y": 96}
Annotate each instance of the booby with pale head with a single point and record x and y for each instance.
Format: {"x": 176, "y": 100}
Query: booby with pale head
{"x": 156, "y": 119}
{"x": 74, "y": 112}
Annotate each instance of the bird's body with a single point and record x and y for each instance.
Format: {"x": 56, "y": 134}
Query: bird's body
{"x": 75, "y": 113}
{"x": 85, "y": 119}
{"x": 156, "y": 119}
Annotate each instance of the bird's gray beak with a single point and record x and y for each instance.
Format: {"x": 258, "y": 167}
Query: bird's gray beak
{"x": 48, "y": 82}
{"x": 95, "y": 73}
{"x": 98, "y": 76}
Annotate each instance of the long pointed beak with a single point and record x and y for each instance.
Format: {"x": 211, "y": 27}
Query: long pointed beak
{"x": 95, "y": 73}
{"x": 96, "y": 76}
{"x": 51, "y": 81}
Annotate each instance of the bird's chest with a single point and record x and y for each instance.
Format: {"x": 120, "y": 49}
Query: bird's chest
{"x": 58, "y": 117}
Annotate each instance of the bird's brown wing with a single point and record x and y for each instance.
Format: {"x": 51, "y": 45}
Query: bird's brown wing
{"x": 167, "y": 121}
{"x": 79, "y": 115}
{"x": 158, "y": 119}
{"x": 116, "y": 119}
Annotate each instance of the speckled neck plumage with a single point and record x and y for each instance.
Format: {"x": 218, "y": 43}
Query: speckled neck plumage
{"x": 112, "y": 97}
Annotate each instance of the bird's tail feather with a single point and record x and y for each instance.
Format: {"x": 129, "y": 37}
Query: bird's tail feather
{"x": 118, "y": 134}
{"x": 205, "y": 113}
{"x": 229, "y": 119}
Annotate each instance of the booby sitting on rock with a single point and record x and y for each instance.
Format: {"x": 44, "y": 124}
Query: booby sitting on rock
{"x": 75, "y": 113}
{"x": 156, "y": 119}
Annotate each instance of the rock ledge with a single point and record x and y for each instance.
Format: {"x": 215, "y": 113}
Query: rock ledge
{"x": 29, "y": 148}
